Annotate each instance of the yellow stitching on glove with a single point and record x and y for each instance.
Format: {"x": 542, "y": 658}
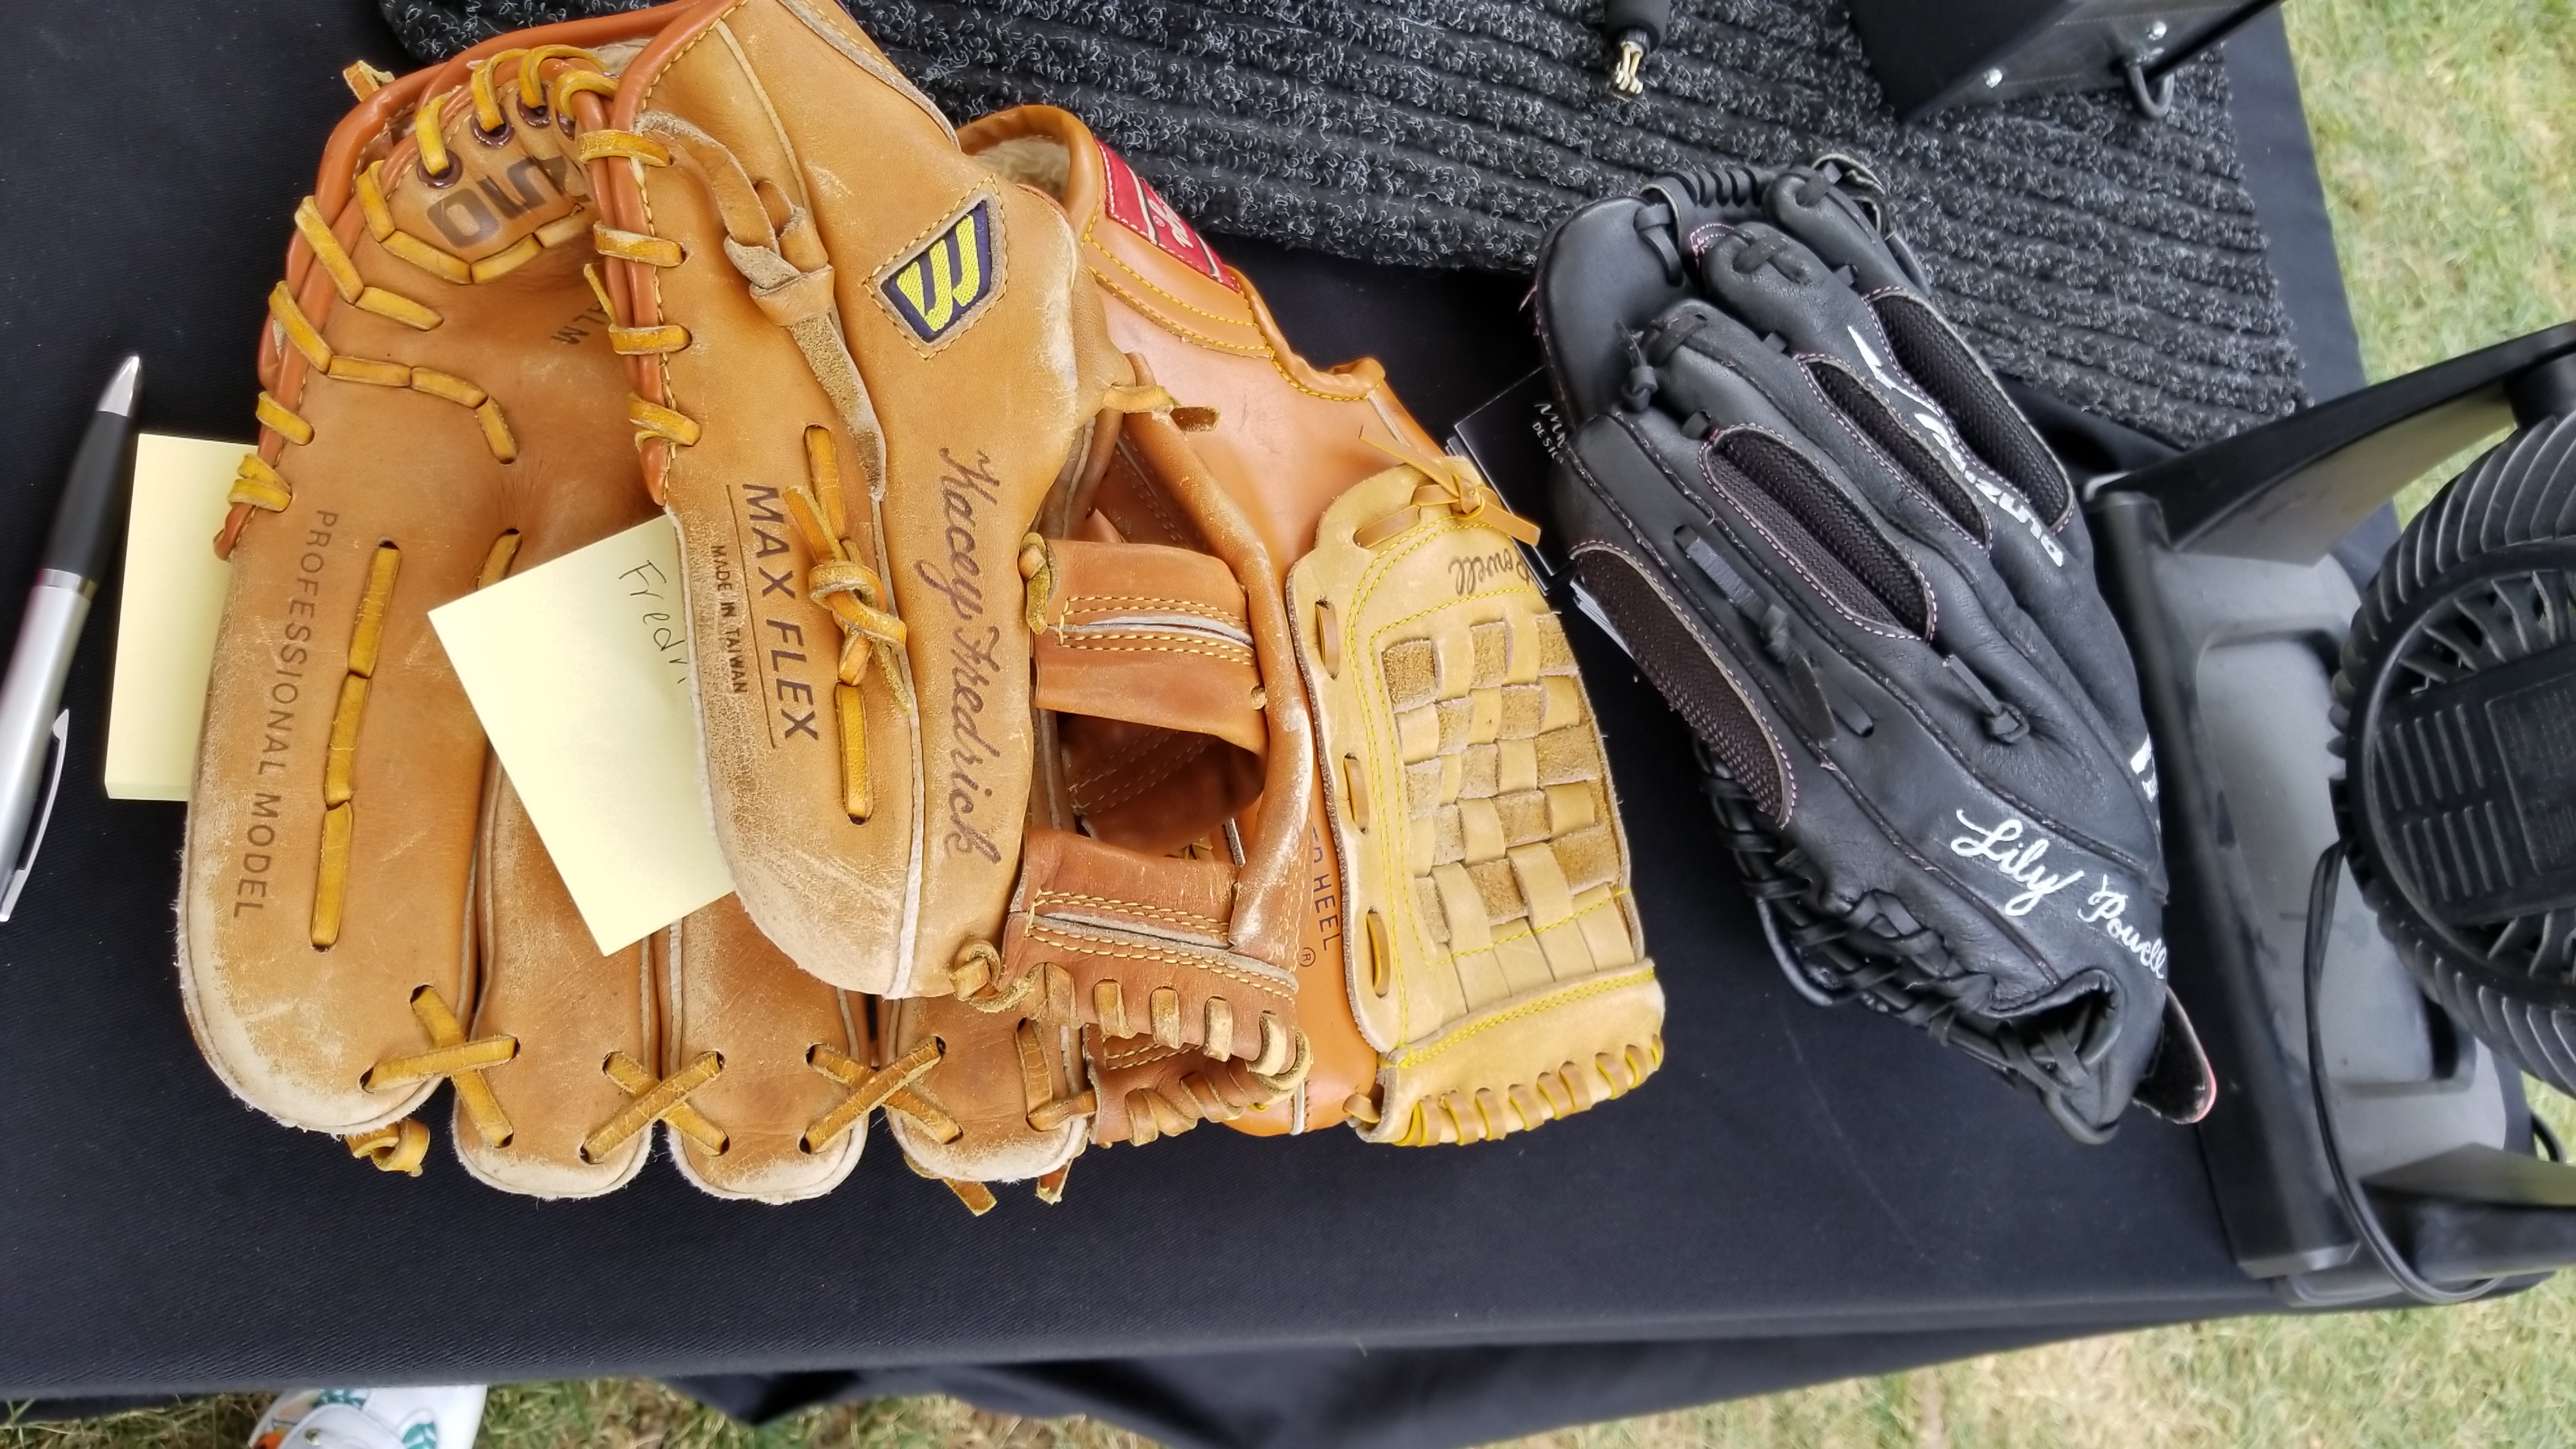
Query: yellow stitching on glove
{"x": 434, "y": 160}
{"x": 364, "y": 80}
{"x": 488, "y": 118}
{"x": 371, "y": 200}
{"x": 368, "y": 370}
{"x": 1050, "y": 1188}
{"x": 507, "y": 260}
{"x": 532, "y": 90}
{"x": 259, "y": 485}
{"x": 496, "y": 563}
{"x": 563, "y": 229}
{"x": 974, "y": 970}
{"x": 460, "y": 1061}
{"x": 657, "y": 421}
{"x": 941, "y": 1127}
{"x": 275, "y": 414}
{"x": 1038, "y": 568}
{"x": 868, "y": 1089}
{"x": 447, "y": 386}
{"x": 638, "y": 341}
{"x": 1046, "y": 1110}
{"x": 1455, "y": 482}
{"x": 443, "y": 265}
{"x": 339, "y": 819}
{"x": 859, "y": 603}
{"x": 579, "y": 82}
{"x": 496, "y": 431}
{"x": 398, "y": 307}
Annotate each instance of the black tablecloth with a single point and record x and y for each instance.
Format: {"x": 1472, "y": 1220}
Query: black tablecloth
{"x": 1798, "y": 1195}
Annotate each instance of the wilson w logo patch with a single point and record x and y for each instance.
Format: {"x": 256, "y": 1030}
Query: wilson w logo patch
{"x": 937, "y": 289}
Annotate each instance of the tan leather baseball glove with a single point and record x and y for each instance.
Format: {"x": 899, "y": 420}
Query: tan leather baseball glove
{"x": 1469, "y": 960}
{"x": 365, "y": 910}
{"x": 1015, "y": 712}
{"x": 872, "y": 384}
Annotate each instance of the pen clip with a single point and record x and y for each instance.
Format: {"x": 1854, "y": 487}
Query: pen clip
{"x": 44, "y": 817}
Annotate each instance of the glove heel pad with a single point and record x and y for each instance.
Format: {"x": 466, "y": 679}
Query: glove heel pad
{"x": 1495, "y": 957}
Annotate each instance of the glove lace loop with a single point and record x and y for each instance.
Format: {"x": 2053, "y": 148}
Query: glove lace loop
{"x": 973, "y": 974}
{"x": 1451, "y": 482}
{"x": 395, "y": 1147}
{"x": 452, "y": 1056}
{"x": 657, "y": 1099}
{"x": 869, "y": 1090}
{"x": 858, "y": 600}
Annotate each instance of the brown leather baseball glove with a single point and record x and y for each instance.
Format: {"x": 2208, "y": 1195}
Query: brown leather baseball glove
{"x": 871, "y": 382}
{"x": 1015, "y": 713}
{"x": 1469, "y": 960}
{"x": 366, "y": 911}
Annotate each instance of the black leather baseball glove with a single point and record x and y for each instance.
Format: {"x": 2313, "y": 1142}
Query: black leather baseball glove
{"x": 1830, "y": 540}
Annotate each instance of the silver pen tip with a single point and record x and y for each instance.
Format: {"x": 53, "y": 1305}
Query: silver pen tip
{"x": 119, "y": 397}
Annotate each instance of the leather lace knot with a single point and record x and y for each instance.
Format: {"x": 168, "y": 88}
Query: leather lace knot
{"x": 1449, "y": 482}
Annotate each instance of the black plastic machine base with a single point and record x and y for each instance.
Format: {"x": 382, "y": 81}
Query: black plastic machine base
{"x": 2218, "y": 563}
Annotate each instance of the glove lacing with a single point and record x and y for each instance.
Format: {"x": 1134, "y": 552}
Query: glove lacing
{"x": 1889, "y": 963}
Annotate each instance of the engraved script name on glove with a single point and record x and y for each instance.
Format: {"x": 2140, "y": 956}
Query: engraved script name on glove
{"x": 962, "y": 488}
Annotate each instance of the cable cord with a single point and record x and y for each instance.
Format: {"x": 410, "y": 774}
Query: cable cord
{"x": 2357, "y": 1206}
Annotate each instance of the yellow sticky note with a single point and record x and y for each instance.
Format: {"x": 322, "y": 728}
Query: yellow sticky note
{"x": 167, "y": 612}
{"x": 579, "y": 670}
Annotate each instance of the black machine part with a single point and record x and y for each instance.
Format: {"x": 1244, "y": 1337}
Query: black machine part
{"x": 1932, "y": 54}
{"x": 2383, "y": 1149}
{"x": 2457, "y": 699}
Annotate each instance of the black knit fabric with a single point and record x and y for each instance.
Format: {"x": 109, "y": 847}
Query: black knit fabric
{"x": 2114, "y": 261}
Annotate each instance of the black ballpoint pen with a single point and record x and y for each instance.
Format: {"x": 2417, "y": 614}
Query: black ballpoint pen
{"x": 32, "y": 723}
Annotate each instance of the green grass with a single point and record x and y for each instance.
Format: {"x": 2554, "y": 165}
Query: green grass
{"x": 2446, "y": 134}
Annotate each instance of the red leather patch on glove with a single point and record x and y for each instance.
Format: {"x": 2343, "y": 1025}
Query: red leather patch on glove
{"x": 1142, "y": 210}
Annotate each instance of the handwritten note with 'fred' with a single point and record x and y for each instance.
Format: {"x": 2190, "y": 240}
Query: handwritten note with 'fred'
{"x": 579, "y": 669}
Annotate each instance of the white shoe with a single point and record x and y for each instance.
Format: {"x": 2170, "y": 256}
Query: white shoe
{"x": 439, "y": 1418}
